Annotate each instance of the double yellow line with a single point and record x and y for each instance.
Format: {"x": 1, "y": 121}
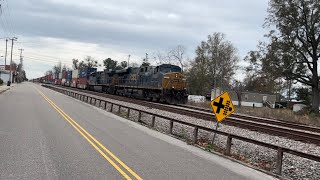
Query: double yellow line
{"x": 93, "y": 141}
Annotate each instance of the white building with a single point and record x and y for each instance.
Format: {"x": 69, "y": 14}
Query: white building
{"x": 4, "y": 75}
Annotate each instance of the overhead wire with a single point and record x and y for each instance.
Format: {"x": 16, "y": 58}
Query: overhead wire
{"x": 16, "y": 56}
{"x": 4, "y": 28}
{"x": 8, "y": 18}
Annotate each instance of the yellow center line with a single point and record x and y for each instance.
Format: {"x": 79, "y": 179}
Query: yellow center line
{"x": 78, "y": 127}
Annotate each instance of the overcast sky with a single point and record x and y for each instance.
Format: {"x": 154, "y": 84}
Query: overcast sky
{"x": 59, "y": 30}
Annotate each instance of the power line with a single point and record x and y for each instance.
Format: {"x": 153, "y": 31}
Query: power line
{"x": 9, "y": 19}
{"x": 45, "y": 62}
{"x": 5, "y": 31}
{"x": 37, "y": 54}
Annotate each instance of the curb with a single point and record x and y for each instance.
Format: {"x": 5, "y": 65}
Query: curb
{"x": 2, "y": 91}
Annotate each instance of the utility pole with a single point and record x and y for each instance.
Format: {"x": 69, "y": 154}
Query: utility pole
{"x": 21, "y": 57}
{"x": 5, "y": 57}
{"x": 10, "y": 75}
{"x": 21, "y": 65}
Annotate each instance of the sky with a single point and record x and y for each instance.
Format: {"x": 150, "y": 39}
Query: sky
{"x": 51, "y": 31}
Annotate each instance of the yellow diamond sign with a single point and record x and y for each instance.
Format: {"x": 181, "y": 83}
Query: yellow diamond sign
{"x": 222, "y": 106}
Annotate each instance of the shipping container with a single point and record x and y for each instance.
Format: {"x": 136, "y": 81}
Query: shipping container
{"x": 74, "y": 82}
{"x": 68, "y": 82}
{"x": 69, "y": 75}
{"x": 63, "y": 81}
{"x": 82, "y": 83}
{"x": 57, "y": 81}
{"x": 51, "y": 79}
{"x": 85, "y": 72}
{"x": 64, "y": 75}
{"x": 75, "y": 74}
{"x": 56, "y": 76}
{"x": 68, "y": 78}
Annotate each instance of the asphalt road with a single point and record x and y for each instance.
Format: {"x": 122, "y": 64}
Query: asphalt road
{"x": 47, "y": 135}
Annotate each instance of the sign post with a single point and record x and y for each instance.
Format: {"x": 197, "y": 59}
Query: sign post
{"x": 222, "y": 107}
{"x": 214, "y": 135}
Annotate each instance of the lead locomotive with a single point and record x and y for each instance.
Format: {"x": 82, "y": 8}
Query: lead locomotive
{"x": 163, "y": 83}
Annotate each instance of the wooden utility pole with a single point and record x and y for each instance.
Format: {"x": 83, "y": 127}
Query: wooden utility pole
{"x": 20, "y": 79}
{"x": 10, "y": 75}
{"x": 5, "y": 57}
{"x": 21, "y": 57}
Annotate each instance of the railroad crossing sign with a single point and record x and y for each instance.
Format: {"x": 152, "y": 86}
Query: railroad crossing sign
{"x": 222, "y": 106}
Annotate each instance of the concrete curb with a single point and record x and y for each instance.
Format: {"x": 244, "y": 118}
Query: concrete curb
{"x": 2, "y": 91}
{"x": 6, "y": 89}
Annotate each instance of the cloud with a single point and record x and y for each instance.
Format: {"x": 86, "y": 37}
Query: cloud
{"x": 114, "y": 28}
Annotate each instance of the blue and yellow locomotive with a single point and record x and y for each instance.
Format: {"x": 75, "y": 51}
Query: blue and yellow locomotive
{"x": 163, "y": 83}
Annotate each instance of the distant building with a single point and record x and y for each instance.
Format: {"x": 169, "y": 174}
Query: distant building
{"x": 196, "y": 99}
{"x": 5, "y": 73}
{"x": 7, "y": 68}
{"x": 249, "y": 98}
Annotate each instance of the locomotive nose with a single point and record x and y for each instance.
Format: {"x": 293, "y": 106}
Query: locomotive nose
{"x": 174, "y": 81}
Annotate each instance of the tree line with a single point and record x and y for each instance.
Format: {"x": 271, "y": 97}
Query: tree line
{"x": 286, "y": 63}
{"x": 291, "y": 54}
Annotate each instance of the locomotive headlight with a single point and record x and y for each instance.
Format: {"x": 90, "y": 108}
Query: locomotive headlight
{"x": 176, "y": 75}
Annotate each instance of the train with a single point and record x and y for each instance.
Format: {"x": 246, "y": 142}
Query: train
{"x": 163, "y": 83}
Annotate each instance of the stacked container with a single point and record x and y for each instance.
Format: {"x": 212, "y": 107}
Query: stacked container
{"x": 85, "y": 72}
{"x": 68, "y": 78}
{"x": 64, "y": 77}
{"x": 84, "y": 77}
{"x": 75, "y": 77}
{"x": 50, "y": 78}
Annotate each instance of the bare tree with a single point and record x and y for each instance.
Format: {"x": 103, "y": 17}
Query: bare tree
{"x": 159, "y": 57}
{"x": 75, "y": 64}
{"x": 178, "y": 54}
{"x": 90, "y": 62}
{"x": 57, "y": 68}
{"x": 64, "y": 68}
{"x": 238, "y": 88}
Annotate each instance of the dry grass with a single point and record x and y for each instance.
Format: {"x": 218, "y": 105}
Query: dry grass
{"x": 280, "y": 114}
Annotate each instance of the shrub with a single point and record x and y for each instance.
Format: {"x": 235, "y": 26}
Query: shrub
{"x": 1, "y": 81}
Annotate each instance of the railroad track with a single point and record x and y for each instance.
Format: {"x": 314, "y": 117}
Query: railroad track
{"x": 263, "y": 120}
{"x": 269, "y": 126}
